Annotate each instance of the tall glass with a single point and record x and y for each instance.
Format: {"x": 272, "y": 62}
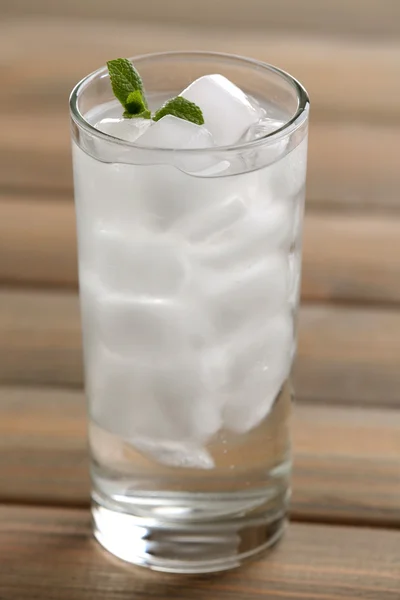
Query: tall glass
{"x": 189, "y": 269}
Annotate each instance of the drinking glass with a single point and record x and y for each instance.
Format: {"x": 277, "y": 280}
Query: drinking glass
{"x": 189, "y": 271}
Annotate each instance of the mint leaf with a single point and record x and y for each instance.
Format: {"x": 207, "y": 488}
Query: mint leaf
{"x": 127, "y": 86}
{"x": 136, "y": 105}
{"x": 145, "y": 114}
{"x": 125, "y": 80}
{"x": 181, "y": 108}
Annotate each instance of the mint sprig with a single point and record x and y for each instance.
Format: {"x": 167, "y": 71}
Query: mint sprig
{"x": 181, "y": 108}
{"x": 128, "y": 88}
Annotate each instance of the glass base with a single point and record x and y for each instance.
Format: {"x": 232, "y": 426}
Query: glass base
{"x": 186, "y": 547}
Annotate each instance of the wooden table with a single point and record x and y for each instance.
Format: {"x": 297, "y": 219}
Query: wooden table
{"x": 344, "y": 538}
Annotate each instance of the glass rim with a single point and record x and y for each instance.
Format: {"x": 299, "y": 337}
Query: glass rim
{"x": 289, "y": 126}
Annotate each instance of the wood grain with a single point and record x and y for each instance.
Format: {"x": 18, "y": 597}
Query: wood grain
{"x": 40, "y": 338}
{"x": 37, "y": 241}
{"x": 351, "y": 163}
{"x": 354, "y": 132}
{"x": 43, "y": 450}
{"x": 346, "y": 465}
{"x": 358, "y": 169}
{"x": 346, "y": 459}
{"x": 351, "y": 166}
{"x": 35, "y": 152}
{"x": 351, "y": 258}
{"x": 345, "y": 354}
{"x": 338, "y": 16}
{"x": 346, "y": 426}
{"x": 348, "y": 355}
{"x": 49, "y": 553}
{"x": 337, "y": 72}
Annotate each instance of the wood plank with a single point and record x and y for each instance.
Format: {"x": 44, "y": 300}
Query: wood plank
{"x": 40, "y": 339}
{"x": 363, "y": 17}
{"x": 43, "y": 451}
{"x": 346, "y": 459}
{"x": 37, "y": 241}
{"x": 49, "y": 553}
{"x": 348, "y": 355}
{"x": 352, "y": 258}
{"x": 353, "y": 166}
{"x": 345, "y": 354}
{"x": 336, "y": 71}
{"x": 35, "y": 152}
{"x": 358, "y": 167}
{"x": 346, "y": 464}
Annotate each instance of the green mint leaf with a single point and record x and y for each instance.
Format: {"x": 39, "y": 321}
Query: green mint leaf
{"x": 135, "y": 103}
{"x": 181, "y": 108}
{"x": 125, "y": 80}
{"x": 146, "y": 114}
{"x": 127, "y": 86}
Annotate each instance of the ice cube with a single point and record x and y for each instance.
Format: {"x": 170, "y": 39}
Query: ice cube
{"x": 251, "y": 403}
{"x": 105, "y": 194}
{"x": 126, "y": 196}
{"x": 212, "y": 220}
{"x": 124, "y": 129}
{"x": 174, "y": 454}
{"x": 166, "y": 195}
{"x": 261, "y": 287}
{"x": 140, "y": 326}
{"x": 260, "y": 361}
{"x": 123, "y": 195}
{"x": 168, "y": 133}
{"x": 141, "y": 264}
{"x": 263, "y": 340}
{"x": 266, "y": 226}
{"x": 174, "y": 133}
{"x": 160, "y": 406}
{"x": 271, "y": 150}
{"x": 133, "y": 326}
{"x": 262, "y": 128}
{"x": 227, "y": 111}
{"x": 287, "y": 177}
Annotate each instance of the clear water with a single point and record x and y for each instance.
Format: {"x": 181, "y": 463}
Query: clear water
{"x": 188, "y": 520}
{"x": 247, "y": 463}
{"x": 189, "y": 289}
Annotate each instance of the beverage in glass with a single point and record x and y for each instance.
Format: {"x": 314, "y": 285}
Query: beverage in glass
{"x": 189, "y": 244}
